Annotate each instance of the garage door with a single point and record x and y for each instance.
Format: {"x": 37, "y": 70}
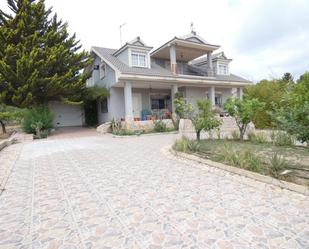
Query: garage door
{"x": 67, "y": 115}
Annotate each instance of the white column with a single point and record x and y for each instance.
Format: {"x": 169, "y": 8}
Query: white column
{"x": 173, "y": 92}
{"x": 240, "y": 93}
{"x": 209, "y": 62}
{"x": 212, "y": 95}
{"x": 234, "y": 92}
{"x": 128, "y": 101}
{"x": 173, "y": 59}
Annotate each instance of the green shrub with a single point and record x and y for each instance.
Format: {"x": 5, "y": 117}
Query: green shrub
{"x": 235, "y": 135}
{"x": 257, "y": 137}
{"x": 37, "y": 115}
{"x": 277, "y": 163}
{"x": 281, "y": 138}
{"x": 159, "y": 126}
{"x": 186, "y": 145}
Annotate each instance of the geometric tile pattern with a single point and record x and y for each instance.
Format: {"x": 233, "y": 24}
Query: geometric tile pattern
{"x": 104, "y": 192}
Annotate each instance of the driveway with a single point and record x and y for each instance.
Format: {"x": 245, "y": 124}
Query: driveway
{"x": 105, "y": 192}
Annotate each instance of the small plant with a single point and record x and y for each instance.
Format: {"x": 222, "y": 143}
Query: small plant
{"x": 218, "y": 133}
{"x": 277, "y": 164}
{"x": 181, "y": 144}
{"x": 235, "y": 135}
{"x": 281, "y": 138}
{"x": 253, "y": 163}
{"x": 159, "y": 126}
{"x": 251, "y": 135}
{"x": 193, "y": 146}
{"x": 124, "y": 132}
{"x": 39, "y": 133}
{"x": 115, "y": 126}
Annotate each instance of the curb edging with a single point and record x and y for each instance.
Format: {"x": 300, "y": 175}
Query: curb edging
{"x": 242, "y": 172}
{"x": 7, "y": 142}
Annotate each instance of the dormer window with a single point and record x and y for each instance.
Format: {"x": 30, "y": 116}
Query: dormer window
{"x": 102, "y": 70}
{"x": 138, "y": 59}
{"x": 222, "y": 69}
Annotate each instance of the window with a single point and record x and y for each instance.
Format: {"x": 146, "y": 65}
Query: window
{"x": 222, "y": 69}
{"x": 158, "y": 104}
{"x": 102, "y": 70}
{"x": 104, "y": 107}
{"x": 138, "y": 59}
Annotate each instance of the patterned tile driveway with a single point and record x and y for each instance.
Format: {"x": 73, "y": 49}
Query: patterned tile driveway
{"x": 104, "y": 192}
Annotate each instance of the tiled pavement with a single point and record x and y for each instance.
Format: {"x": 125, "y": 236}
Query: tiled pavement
{"x": 104, "y": 192}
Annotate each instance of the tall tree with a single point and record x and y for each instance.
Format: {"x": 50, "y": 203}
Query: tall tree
{"x": 294, "y": 116}
{"x": 39, "y": 60}
{"x": 271, "y": 93}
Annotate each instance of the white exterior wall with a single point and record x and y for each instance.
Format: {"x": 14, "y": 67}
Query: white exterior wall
{"x": 115, "y": 104}
{"x": 108, "y": 81}
{"x": 193, "y": 94}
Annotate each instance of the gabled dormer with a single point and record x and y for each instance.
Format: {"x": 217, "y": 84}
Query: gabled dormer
{"x": 135, "y": 54}
{"x": 219, "y": 61}
{"x": 221, "y": 64}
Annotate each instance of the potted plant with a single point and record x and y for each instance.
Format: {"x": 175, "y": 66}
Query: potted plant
{"x": 145, "y": 114}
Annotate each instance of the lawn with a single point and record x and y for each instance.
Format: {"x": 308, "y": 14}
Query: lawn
{"x": 290, "y": 163}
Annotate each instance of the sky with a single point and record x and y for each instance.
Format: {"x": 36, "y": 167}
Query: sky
{"x": 265, "y": 38}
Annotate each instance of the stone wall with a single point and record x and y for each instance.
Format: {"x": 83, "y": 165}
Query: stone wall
{"x": 146, "y": 125}
{"x": 228, "y": 125}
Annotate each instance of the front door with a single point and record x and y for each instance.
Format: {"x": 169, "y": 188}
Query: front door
{"x": 137, "y": 105}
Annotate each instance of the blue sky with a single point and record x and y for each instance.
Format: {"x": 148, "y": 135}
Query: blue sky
{"x": 264, "y": 38}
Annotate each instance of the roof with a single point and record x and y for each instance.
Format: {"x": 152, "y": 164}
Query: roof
{"x": 191, "y": 41}
{"x": 155, "y": 70}
{"x": 194, "y": 38}
{"x": 137, "y": 42}
{"x": 215, "y": 56}
{"x": 107, "y": 54}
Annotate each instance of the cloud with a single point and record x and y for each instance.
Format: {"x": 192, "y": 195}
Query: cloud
{"x": 272, "y": 38}
{"x": 265, "y": 38}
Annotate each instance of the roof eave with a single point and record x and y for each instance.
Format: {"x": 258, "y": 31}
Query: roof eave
{"x": 176, "y": 39}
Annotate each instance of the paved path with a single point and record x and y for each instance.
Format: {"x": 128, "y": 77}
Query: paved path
{"x": 104, "y": 192}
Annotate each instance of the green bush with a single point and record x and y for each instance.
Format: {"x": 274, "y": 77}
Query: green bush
{"x": 259, "y": 138}
{"x": 37, "y": 115}
{"x": 159, "y": 126}
{"x": 281, "y": 138}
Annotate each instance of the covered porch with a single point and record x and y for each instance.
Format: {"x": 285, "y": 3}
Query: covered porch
{"x": 156, "y": 101}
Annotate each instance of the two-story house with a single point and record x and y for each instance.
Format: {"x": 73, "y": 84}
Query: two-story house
{"x": 143, "y": 80}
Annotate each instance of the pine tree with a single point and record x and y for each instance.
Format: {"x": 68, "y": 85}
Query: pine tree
{"x": 39, "y": 60}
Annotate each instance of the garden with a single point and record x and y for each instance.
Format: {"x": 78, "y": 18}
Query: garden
{"x": 279, "y": 150}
